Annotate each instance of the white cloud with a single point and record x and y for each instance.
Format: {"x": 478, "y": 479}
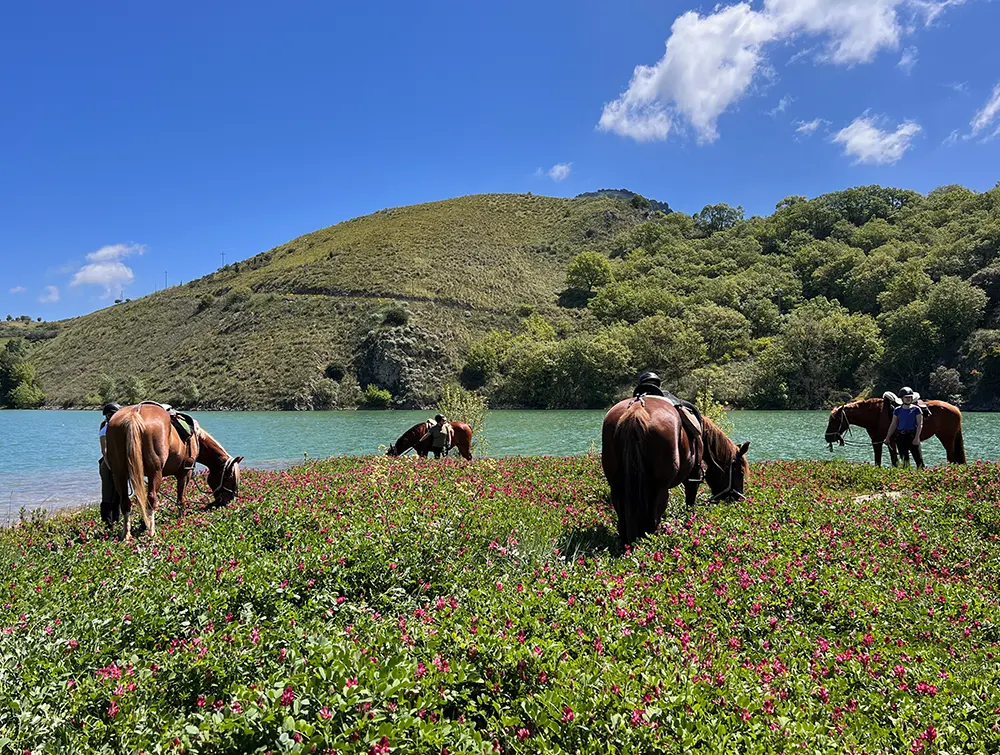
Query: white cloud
{"x": 987, "y": 115}
{"x": 807, "y": 128}
{"x": 712, "y": 61}
{"x": 116, "y": 252}
{"x": 907, "y": 60}
{"x": 782, "y": 106}
{"x": 17, "y": 290}
{"x": 105, "y": 268}
{"x": 51, "y": 294}
{"x": 110, "y": 275}
{"x": 951, "y": 138}
{"x": 867, "y": 143}
{"x": 560, "y": 171}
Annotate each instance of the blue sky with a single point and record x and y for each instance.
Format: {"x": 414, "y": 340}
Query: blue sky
{"x": 141, "y": 138}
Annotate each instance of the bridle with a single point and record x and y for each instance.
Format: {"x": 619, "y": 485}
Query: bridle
{"x": 730, "y": 490}
{"x": 226, "y": 468}
{"x": 221, "y": 487}
{"x": 845, "y": 429}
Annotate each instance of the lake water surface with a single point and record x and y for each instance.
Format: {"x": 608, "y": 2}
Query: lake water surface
{"x": 49, "y": 458}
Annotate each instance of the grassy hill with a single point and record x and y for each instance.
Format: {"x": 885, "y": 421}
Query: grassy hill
{"x": 259, "y": 333}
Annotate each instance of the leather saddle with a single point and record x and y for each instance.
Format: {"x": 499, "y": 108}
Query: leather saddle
{"x": 185, "y": 425}
{"x": 892, "y": 401}
{"x": 690, "y": 416}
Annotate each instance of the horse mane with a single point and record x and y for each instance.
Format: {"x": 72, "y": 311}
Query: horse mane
{"x": 717, "y": 445}
{"x": 211, "y": 444}
{"x": 875, "y": 403}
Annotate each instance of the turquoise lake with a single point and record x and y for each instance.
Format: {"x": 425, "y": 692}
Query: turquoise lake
{"x": 49, "y": 458}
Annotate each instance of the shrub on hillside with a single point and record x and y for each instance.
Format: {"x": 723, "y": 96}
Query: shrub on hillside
{"x": 460, "y": 405}
{"x": 107, "y": 388}
{"x": 133, "y": 390}
{"x": 334, "y": 371}
{"x": 238, "y": 297}
{"x": 26, "y": 396}
{"x": 324, "y": 393}
{"x": 396, "y": 316}
{"x": 376, "y": 398}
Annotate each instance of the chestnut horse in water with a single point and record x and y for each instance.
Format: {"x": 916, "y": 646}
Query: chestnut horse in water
{"x": 645, "y": 451}
{"x": 875, "y": 416}
{"x": 142, "y": 442}
{"x": 461, "y": 438}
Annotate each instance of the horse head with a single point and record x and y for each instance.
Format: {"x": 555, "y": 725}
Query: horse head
{"x": 392, "y": 450}
{"x": 225, "y": 481}
{"x": 837, "y": 426}
{"x": 727, "y": 479}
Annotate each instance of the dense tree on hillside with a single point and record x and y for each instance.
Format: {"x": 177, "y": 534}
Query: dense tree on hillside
{"x": 850, "y": 293}
{"x": 19, "y": 386}
{"x": 587, "y": 270}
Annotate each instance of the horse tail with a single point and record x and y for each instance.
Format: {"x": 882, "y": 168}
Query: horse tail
{"x": 631, "y": 438}
{"x": 134, "y": 427}
{"x": 958, "y": 453}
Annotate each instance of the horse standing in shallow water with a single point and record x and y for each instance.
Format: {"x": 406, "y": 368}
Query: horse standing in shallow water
{"x": 875, "y": 415}
{"x": 142, "y": 442}
{"x": 645, "y": 451}
{"x": 461, "y": 439}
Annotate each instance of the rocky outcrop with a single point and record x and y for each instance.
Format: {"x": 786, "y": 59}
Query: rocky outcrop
{"x": 408, "y": 361}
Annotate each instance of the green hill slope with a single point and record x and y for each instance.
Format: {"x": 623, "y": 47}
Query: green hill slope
{"x": 260, "y": 333}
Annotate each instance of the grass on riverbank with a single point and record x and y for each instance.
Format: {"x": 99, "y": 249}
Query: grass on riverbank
{"x": 372, "y": 606}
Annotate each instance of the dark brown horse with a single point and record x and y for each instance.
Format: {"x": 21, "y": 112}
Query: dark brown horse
{"x": 142, "y": 443}
{"x": 875, "y": 415}
{"x": 645, "y": 451}
{"x": 461, "y": 439}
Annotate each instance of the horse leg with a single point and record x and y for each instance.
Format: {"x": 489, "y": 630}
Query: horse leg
{"x": 893, "y": 454}
{"x": 182, "y": 479}
{"x": 154, "y": 491}
{"x": 690, "y": 495}
{"x": 126, "y": 512}
{"x": 948, "y": 441}
{"x": 877, "y": 448}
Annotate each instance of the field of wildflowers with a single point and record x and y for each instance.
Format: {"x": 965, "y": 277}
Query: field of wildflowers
{"x": 376, "y": 606}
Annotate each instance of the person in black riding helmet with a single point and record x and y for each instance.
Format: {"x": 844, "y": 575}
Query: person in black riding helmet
{"x": 907, "y": 424}
{"x": 110, "y": 503}
{"x": 649, "y": 384}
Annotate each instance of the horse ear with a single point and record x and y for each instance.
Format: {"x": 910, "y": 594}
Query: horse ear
{"x": 237, "y": 460}
{"x": 743, "y": 449}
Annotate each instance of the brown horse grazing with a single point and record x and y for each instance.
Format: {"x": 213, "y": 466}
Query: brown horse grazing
{"x": 461, "y": 439}
{"x": 142, "y": 442}
{"x": 645, "y": 451}
{"x": 875, "y": 416}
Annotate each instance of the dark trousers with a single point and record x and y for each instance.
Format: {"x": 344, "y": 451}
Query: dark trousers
{"x": 904, "y": 444}
{"x": 110, "y": 500}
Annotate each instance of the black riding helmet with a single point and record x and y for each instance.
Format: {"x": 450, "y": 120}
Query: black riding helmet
{"x": 648, "y": 378}
{"x": 110, "y": 409}
{"x": 439, "y": 418}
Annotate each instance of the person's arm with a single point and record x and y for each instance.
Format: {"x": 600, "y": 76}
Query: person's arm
{"x": 892, "y": 429}
{"x": 920, "y": 426}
